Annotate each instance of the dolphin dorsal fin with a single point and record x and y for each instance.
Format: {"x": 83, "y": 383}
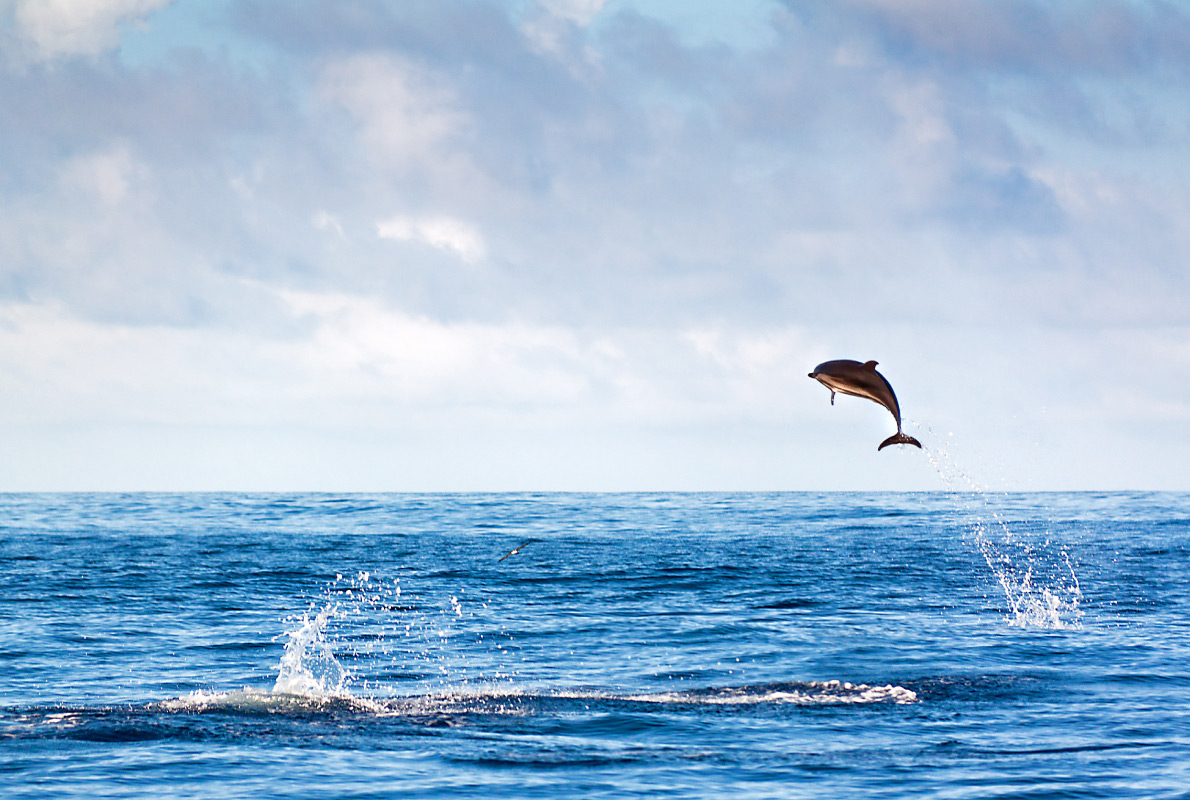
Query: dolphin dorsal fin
{"x": 869, "y": 365}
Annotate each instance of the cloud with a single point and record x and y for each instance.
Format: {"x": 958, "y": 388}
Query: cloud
{"x": 409, "y": 117}
{"x": 444, "y": 233}
{"x": 109, "y": 176}
{"x": 578, "y": 11}
{"x": 63, "y": 28}
{"x": 1028, "y": 37}
{"x": 355, "y": 356}
{"x": 362, "y": 348}
{"x": 662, "y": 228}
{"x": 393, "y": 400}
{"x": 553, "y": 26}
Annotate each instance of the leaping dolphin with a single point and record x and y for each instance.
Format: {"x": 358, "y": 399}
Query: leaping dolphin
{"x": 862, "y": 380}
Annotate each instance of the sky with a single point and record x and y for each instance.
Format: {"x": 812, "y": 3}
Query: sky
{"x": 596, "y": 245}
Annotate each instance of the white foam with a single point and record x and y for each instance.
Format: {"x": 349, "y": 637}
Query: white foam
{"x": 809, "y": 693}
{"x": 515, "y": 701}
{"x": 249, "y": 700}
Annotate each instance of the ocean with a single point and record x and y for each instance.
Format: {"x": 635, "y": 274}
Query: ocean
{"x": 958, "y": 644}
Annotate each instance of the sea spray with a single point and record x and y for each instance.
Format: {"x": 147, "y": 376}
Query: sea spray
{"x": 1038, "y": 579}
{"x": 366, "y": 636}
{"x": 1040, "y": 586}
{"x": 308, "y": 666}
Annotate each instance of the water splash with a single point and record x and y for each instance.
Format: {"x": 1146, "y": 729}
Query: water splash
{"x": 308, "y": 666}
{"x": 368, "y": 638}
{"x": 310, "y": 675}
{"x": 1039, "y": 583}
{"x": 405, "y": 660}
{"x": 1041, "y": 588}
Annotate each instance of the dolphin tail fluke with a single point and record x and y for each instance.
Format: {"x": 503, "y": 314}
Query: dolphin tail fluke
{"x": 899, "y": 438}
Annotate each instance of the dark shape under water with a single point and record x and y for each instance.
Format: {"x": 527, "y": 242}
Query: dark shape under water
{"x": 862, "y": 380}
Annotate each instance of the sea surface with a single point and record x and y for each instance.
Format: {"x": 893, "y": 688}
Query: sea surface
{"x": 920, "y": 645}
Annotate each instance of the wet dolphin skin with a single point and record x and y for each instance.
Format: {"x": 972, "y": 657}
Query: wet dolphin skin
{"x": 862, "y": 380}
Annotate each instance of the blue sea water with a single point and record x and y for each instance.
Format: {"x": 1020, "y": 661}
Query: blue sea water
{"x": 919, "y": 645}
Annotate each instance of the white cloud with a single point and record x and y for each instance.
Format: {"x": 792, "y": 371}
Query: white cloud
{"x": 920, "y": 107}
{"x": 325, "y": 221}
{"x": 409, "y": 117}
{"x": 372, "y": 397}
{"x": 356, "y": 356}
{"x": 580, "y": 12}
{"x": 555, "y": 24}
{"x": 445, "y": 233}
{"x": 59, "y": 28}
{"x": 109, "y": 176}
{"x": 681, "y": 233}
{"x": 358, "y": 347}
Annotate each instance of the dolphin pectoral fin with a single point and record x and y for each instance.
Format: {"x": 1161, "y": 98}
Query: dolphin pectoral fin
{"x": 832, "y": 397}
{"x": 899, "y": 438}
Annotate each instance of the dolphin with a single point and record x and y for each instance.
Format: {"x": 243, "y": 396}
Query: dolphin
{"x": 862, "y": 380}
